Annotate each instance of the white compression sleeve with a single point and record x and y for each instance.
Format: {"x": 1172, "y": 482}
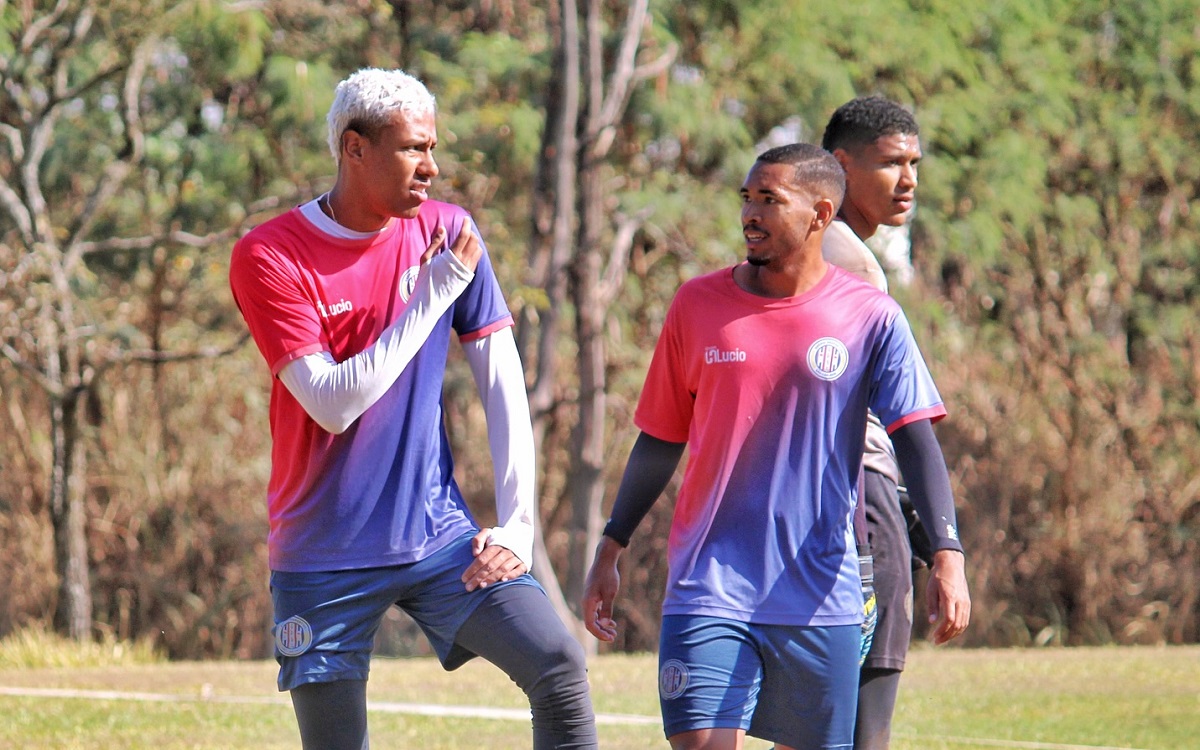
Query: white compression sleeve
{"x": 500, "y": 378}
{"x": 336, "y": 393}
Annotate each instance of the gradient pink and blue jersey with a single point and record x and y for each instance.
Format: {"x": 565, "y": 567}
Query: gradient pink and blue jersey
{"x": 382, "y": 492}
{"x": 771, "y": 396}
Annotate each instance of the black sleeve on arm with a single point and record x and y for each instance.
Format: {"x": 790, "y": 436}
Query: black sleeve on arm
{"x": 652, "y": 463}
{"x": 924, "y": 469}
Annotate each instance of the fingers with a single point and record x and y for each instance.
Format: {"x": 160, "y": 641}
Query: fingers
{"x": 597, "y": 618}
{"x": 603, "y": 628}
{"x": 492, "y": 564}
{"x": 479, "y": 541}
{"x": 949, "y": 624}
{"x": 949, "y": 603}
{"x": 599, "y": 593}
{"x": 467, "y": 247}
{"x": 435, "y": 242}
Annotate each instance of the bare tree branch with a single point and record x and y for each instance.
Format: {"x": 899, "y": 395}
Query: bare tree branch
{"x": 31, "y": 371}
{"x": 148, "y": 242}
{"x": 180, "y": 237}
{"x": 613, "y": 276}
{"x": 13, "y": 136}
{"x": 20, "y": 216}
{"x": 49, "y": 21}
{"x": 656, "y": 66}
{"x": 115, "y": 173}
{"x": 155, "y": 356}
{"x": 63, "y": 49}
{"x": 621, "y": 80}
{"x": 40, "y": 137}
{"x": 68, "y": 94}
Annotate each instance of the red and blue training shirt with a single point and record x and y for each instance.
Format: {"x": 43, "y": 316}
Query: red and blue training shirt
{"x": 382, "y": 492}
{"x": 771, "y": 396}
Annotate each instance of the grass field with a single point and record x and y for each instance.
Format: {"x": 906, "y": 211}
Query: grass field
{"x": 1059, "y": 699}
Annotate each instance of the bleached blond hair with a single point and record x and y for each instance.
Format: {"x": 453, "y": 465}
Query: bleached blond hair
{"x": 366, "y": 100}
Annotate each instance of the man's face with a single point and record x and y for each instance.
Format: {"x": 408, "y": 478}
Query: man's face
{"x": 777, "y": 215}
{"x": 398, "y": 166}
{"x": 881, "y": 180}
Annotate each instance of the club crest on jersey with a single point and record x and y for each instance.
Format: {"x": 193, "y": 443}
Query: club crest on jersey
{"x": 293, "y": 636}
{"x": 408, "y": 282}
{"x": 672, "y": 679}
{"x": 828, "y": 358}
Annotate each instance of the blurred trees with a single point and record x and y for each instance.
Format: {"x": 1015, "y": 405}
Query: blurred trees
{"x": 137, "y": 139}
{"x": 1055, "y": 247}
{"x": 1064, "y": 231}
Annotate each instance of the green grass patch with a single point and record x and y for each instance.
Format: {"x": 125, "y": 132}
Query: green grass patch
{"x": 1057, "y": 699}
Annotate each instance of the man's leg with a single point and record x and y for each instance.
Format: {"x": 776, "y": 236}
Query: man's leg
{"x": 332, "y": 715}
{"x": 892, "y": 563}
{"x": 810, "y": 685}
{"x": 324, "y": 631}
{"x": 877, "y": 689}
{"x": 516, "y": 629}
{"x": 721, "y": 738}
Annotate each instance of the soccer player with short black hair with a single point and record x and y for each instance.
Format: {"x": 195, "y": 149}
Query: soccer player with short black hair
{"x": 877, "y": 141}
{"x": 764, "y": 372}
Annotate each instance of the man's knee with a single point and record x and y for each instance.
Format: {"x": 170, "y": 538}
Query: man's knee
{"x": 518, "y": 631}
{"x": 564, "y": 670}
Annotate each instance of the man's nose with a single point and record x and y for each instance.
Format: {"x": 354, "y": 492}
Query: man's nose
{"x": 428, "y": 166}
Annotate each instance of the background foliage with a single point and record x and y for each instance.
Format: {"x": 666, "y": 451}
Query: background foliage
{"x": 1054, "y": 246}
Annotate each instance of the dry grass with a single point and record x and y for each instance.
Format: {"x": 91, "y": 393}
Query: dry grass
{"x": 35, "y": 648}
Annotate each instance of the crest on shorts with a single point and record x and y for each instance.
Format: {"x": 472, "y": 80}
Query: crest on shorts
{"x": 293, "y": 636}
{"x": 672, "y": 679}
{"x": 408, "y": 282}
{"x": 828, "y": 358}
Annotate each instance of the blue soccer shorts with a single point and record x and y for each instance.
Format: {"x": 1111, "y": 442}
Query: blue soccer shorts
{"x": 796, "y": 686}
{"x": 325, "y": 622}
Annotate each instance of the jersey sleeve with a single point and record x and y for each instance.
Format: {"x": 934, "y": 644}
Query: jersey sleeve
{"x": 903, "y": 391}
{"x": 665, "y": 408}
{"x": 481, "y": 310}
{"x": 271, "y": 296}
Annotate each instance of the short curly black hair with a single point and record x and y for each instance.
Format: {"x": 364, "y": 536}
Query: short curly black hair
{"x": 865, "y": 120}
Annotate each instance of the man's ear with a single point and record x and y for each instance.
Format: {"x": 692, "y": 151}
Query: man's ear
{"x": 352, "y": 144}
{"x": 842, "y": 156}
{"x": 826, "y": 212}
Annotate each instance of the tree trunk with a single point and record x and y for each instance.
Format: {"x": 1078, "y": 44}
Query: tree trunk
{"x": 587, "y": 486}
{"x": 73, "y": 613}
{"x": 586, "y": 480}
{"x": 552, "y": 235}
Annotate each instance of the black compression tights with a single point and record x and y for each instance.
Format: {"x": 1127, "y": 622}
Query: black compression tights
{"x": 516, "y": 629}
{"x": 877, "y": 691}
{"x": 332, "y": 715}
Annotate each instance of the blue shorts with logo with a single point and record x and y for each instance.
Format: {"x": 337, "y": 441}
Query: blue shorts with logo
{"x": 325, "y": 622}
{"x": 797, "y": 686}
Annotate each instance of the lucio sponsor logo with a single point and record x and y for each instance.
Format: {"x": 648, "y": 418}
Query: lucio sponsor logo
{"x": 715, "y": 355}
